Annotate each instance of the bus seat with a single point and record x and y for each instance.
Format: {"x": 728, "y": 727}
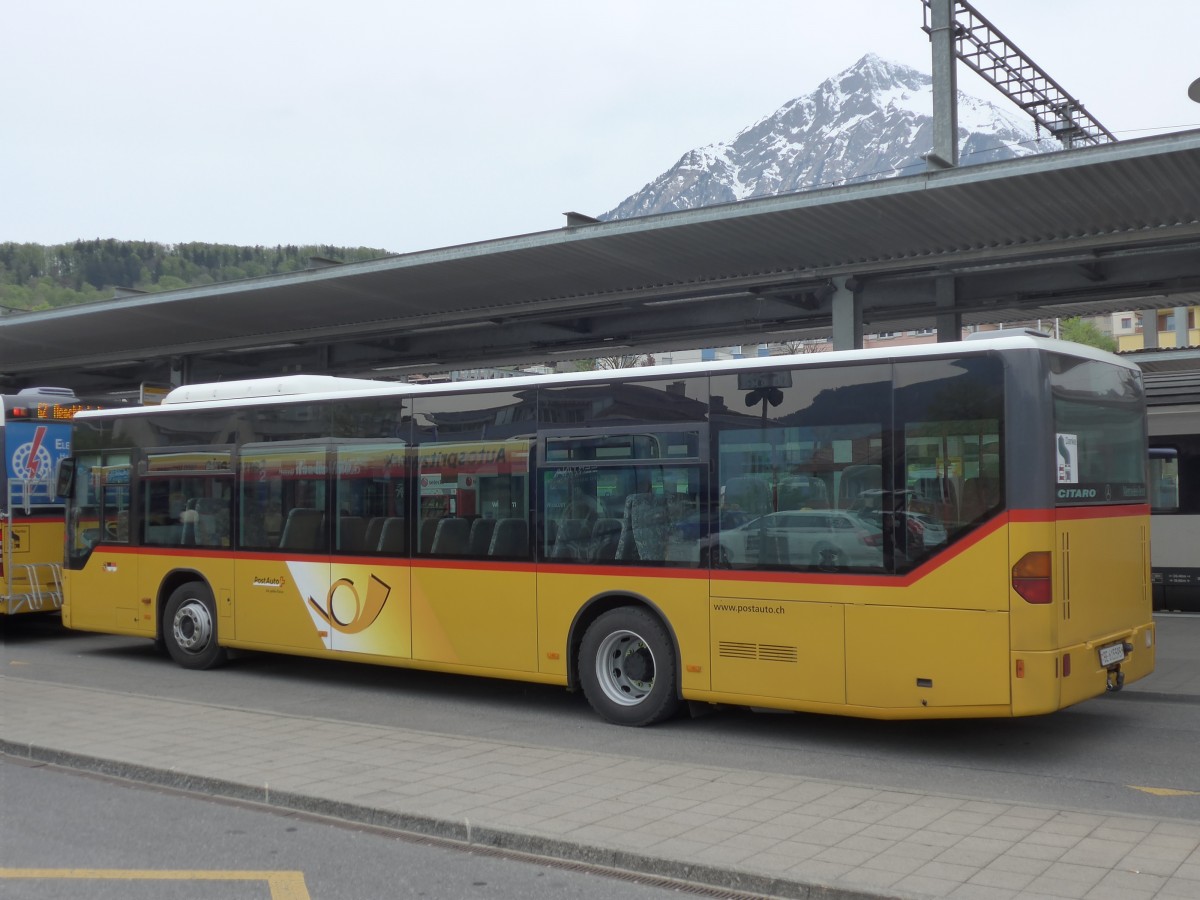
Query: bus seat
{"x": 213, "y": 523}
{"x": 302, "y": 530}
{"x": 374, "y": 530}
{"x": 612, "y": 507}
{"x": 511, "y": 538}
{"x": 978, "y": 496}
{"x": 481, "y": 537}
{"x": 452, "y": 537}
{"x": 425, "y": 536}
{"x": 643, "y": 529}
{"x": 393, "y": 536}
{"x": 605, "y": 537}
{"x": 572, "y": 539}
{"x": 352, "y": 532}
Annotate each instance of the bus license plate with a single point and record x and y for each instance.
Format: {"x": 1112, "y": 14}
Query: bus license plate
{"x": 1112, "y": 654}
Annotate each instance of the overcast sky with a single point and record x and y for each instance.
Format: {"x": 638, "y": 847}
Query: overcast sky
{"x": 413, "y": 125}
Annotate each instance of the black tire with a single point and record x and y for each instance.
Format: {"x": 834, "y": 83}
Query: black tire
{"x": 627, "y": 668}
{"x": 189, "y": 627}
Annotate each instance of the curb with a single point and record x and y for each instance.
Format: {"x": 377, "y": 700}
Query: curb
{"x": 452, "y": 831}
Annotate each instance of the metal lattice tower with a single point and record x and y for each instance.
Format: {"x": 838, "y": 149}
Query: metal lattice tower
{"x": 979, "y": 44}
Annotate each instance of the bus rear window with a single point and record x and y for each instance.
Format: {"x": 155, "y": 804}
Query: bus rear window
{"x": 1100, "y": 433}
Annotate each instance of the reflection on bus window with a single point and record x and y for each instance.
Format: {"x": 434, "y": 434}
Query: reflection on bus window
{"x": 1100, "y": 423}
{"x": 631, "y": 498}
{"x": 798, "y": 497}
{"x": 282, "y": 497}
{"x": 370, "y": 498}
{"x": 186, "y": 499}
{"x": 948, "y": 475}
{"x": 103, "y": 517}
{"x": 473, "y": 499}
{"x": 646, "y": 514}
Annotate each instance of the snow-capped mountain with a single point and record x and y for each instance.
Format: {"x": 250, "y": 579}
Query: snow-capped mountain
{"x": 872, "y": 121}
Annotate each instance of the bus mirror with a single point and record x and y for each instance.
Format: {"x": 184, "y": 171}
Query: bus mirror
{"x": 64, "y": 477}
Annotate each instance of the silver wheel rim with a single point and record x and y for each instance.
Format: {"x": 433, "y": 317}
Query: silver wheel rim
{"x": 625, "y": 668}
{"x": 192, "y": 627}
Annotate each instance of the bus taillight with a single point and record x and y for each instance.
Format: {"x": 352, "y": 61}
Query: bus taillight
{"x": 1031, "y": 577}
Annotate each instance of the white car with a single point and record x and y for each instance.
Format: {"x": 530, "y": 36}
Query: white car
{"x": 923, "y": 529}
{"x": 825, "y": 539}
{"x": 931, "y": 531}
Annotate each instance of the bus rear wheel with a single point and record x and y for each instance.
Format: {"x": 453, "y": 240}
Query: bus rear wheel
{"x": 627, "y": 668}
{"x": 190, "y": 627}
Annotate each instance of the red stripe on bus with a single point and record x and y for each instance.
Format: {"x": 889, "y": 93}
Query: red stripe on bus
{"x": 1075, "y": 513}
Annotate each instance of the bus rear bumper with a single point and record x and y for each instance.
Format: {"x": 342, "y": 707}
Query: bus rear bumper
{"x": 1049, "y": 680}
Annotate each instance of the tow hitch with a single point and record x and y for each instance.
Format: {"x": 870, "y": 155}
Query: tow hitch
{"x": 1116, "y": 680}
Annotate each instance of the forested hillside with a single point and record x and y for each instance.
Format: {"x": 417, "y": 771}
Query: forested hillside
{"x": 35, "y": 276}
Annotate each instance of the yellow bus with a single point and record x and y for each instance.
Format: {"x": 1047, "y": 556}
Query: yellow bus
{"x": 953, "y": 530}
{"x": 35, "y": 433}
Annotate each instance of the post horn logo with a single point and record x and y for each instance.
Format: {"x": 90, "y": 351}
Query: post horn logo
{"x": 346, "y": 612}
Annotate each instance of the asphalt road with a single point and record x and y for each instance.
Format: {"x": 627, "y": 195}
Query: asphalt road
{"x": 121, "y": 841}
{"x": 1101, "y": 755}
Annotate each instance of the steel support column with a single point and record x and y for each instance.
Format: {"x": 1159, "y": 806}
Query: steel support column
{"x": 1149, "y": 329}
{"x": 847, "y": 315}
{"x": 945, "y": 87}
{"x": 949, "y": 322}
{"x": 179, "y": 371}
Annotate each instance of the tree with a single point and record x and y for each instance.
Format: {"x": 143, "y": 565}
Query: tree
{"x": 33, "y": 276}
{"x": 1081, "y": 332}
{"x": 623, "y": 362}
{"x": 814, "y": 346}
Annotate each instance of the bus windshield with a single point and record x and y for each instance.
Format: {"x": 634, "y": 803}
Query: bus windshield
{"x": 1100, "y": 433}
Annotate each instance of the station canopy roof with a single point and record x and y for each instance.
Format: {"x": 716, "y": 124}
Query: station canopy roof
{"x": 1078, "y": 232}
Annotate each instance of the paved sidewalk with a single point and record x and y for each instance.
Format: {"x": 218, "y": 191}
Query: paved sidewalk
{"x": 765, "y": 834}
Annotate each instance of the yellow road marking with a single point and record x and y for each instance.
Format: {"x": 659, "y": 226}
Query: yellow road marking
{"x": 1164, "y": 792}
{"x": 283, "y": 885}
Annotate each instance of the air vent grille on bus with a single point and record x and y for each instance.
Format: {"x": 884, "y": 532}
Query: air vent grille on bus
{"x": 765, "y": 652}
{"x": 777, "y": 653}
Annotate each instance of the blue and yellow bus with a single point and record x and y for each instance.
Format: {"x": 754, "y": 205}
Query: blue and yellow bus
{"x": 35, "y": 433}
{"x": 951, "y": 530}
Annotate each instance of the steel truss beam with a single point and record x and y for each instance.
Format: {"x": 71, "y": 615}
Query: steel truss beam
{"x": 982, "y": 46}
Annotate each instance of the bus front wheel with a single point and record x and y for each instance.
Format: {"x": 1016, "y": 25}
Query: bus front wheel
{"x": 627, "y": 668}
{"x": 190, "y": 627}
